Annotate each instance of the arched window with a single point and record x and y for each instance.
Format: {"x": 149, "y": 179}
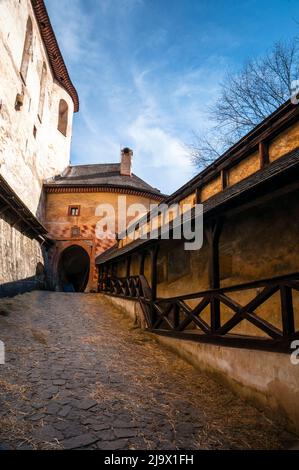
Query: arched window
{"x": 63, "y": 117}
{"x": 42, "y": 92}
{"x": 27, "y": 51}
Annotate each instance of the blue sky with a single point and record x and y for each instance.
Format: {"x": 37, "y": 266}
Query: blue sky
{"x": 146, "y": 71}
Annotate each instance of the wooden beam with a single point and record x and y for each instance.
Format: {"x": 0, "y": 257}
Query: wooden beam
{"x": 128, "y": 268}
{"x": 224, "y": 179}
{"x": 17, "y": 221}
{"x": 19, "y": 211}
{"x": 4, "y": 209}
{"x": 100, "y": 278}
{"x": 154, "y": 274}
{"x": 142, "y": 262}
{"x": 264, "y": 199}
{"x": 213, "y": 236}
{"x": 287, "y": 311}
{"x": 198, "y": 195}
{"x": 263, "y": 153}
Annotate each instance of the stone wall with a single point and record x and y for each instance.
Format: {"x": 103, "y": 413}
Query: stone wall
{"x": 31, "y": 146}
{"x": 20, "y": 260}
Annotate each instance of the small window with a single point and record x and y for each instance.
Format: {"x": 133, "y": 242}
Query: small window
{"x": 27, "y": 51}
{"x": 74, "y": 211}
{"x": 63, "y": 117}
{"x": 75, "y": 231}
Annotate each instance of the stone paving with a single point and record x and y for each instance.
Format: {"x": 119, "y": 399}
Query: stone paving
{"x": 79, "y": 375}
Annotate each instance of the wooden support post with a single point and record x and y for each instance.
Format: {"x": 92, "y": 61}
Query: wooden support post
{"x": 264, "y": 154}
{"x": 198, "y": 196}
{"x": 213, "y": 236}
{"x": 224, "y": 179}
{"x": 128, "y": 271}
{"x": 287, "y": 311}
{"x": 113, "y": 269}
{"x": 99, "y": 279}
{"x": 142, "y": 262}
{"x": 104, "y": 278}
{"x": 154, "y": 258}
{"x": 108, "y": 275}
{"x": 176, "y": 315}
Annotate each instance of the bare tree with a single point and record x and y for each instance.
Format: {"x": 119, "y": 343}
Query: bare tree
{"x": 247, "y": 98}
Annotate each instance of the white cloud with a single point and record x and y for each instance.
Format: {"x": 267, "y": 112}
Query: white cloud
{"x": 71, "y": 25}
{"x": 127, "y": 101}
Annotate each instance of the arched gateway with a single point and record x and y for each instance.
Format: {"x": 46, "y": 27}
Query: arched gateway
{"x": 73, "y": 269}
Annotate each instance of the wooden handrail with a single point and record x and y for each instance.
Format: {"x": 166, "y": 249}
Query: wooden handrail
{"x": 236, "y": 287}
{"x": 173, "y": 316}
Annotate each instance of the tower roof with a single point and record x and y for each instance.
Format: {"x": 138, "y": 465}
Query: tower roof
{"x": 103, "y": 175}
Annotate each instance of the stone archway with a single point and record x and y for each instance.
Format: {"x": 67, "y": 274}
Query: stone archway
{"x": 73, "y": 269}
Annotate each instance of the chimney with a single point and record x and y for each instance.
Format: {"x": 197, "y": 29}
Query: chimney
{"x": 126, "y": 162}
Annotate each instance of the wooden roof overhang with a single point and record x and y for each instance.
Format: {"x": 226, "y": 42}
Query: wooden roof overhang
{"x": 84, "y": 188}
{"x": 12, "y": 208}
{"x": 57, "y": 63}
{"x": 277, "y": 122}
{"x": 281, "y": 177}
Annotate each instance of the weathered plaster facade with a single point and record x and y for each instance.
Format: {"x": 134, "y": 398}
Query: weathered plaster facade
{"x": 19, "y": 255}
{"x": 31, "y": 146}
{"x": 248, "y": 251}
{"x": 59, "y": 223}
{"x": 36, "y": 113}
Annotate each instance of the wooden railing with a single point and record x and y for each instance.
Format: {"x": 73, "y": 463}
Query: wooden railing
{"x": 173, "y": 316}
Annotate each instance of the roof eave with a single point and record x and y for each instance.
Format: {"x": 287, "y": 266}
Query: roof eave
{"x": 57, "y": 63}
{"x": 285, "y": 110}
{"x": 105, "y": 186}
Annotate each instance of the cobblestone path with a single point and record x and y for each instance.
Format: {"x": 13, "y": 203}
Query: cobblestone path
{"x": 77, "y": 374}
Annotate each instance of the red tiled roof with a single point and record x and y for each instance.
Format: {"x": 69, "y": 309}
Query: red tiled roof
{"x": 55, "y": 57}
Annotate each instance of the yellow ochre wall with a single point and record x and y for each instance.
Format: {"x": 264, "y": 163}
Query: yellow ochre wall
{"x": 59, "y": 223}
{"x": 279, "y": 146}
{"x": 259, "y": 243}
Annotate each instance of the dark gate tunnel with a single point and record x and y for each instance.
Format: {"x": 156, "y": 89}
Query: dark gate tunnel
{"x": 73, "y": 269}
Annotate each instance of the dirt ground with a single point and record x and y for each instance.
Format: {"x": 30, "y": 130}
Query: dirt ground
{"x": 78, "y": 375}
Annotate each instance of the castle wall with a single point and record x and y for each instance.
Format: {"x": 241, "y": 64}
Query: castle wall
{"x": 31, "y": 146}
{"x": 20, "y": 259}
